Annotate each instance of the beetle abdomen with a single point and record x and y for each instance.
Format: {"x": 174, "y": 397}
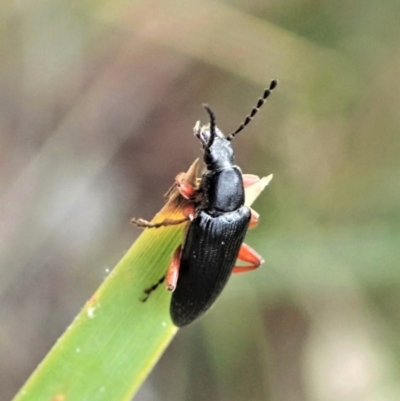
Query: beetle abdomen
{"x": 208, "y": 257}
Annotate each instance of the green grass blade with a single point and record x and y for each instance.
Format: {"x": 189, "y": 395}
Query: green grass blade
{"x": 116, "y": 339}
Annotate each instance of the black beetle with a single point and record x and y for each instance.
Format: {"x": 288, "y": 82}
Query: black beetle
{"x": 219, "y": 220}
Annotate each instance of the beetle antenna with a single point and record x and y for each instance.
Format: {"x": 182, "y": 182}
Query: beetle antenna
{"x": 212, "y": 126}
{"x": 255, "y": 109}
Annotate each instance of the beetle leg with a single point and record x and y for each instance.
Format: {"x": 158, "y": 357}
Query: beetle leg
{"x": 141, "y": 223}
{"x": 249, "y": 255}
{"x": 250, "y": 179}
{"x": 254, "y": 218}
{"x": 187, "y": 190}
{"x": 188, "y": 212}
{"x": 173, "y": 269}
{"x": 171, "y": 277}
{"x": 149, "y": 290}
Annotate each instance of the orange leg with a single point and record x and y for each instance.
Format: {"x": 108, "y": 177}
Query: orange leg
{"x": 254, "y": 218}
{"x": 186, "y": 190}
{"x": 249, "y": 255}
{"x": 173, "y": 270}
{"x": 188, "y": 212}
{"x": 250, "y": 179}
{"x": 171, "y": 278}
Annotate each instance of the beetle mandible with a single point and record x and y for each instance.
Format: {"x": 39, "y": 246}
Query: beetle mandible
{"x": 202, "y": 265}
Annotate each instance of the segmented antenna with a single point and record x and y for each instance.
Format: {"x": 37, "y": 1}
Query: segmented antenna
{"x": 212, "y": 126}
{"x": 253, "y": 112}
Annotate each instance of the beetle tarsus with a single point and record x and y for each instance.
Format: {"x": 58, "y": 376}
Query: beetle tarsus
{"x": 141, "y": 223}
{"x": 151, "y": 289}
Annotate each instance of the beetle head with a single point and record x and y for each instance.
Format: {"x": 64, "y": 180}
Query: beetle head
{"x": 218, "y": 152}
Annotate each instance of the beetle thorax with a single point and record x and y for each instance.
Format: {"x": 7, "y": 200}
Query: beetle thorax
{"x": 223, "y": 190}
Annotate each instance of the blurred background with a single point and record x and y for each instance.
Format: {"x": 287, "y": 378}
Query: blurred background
{"x": 97, "y": 104}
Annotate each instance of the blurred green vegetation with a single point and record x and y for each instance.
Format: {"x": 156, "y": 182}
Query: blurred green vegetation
{"x": 98, "y": 101}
